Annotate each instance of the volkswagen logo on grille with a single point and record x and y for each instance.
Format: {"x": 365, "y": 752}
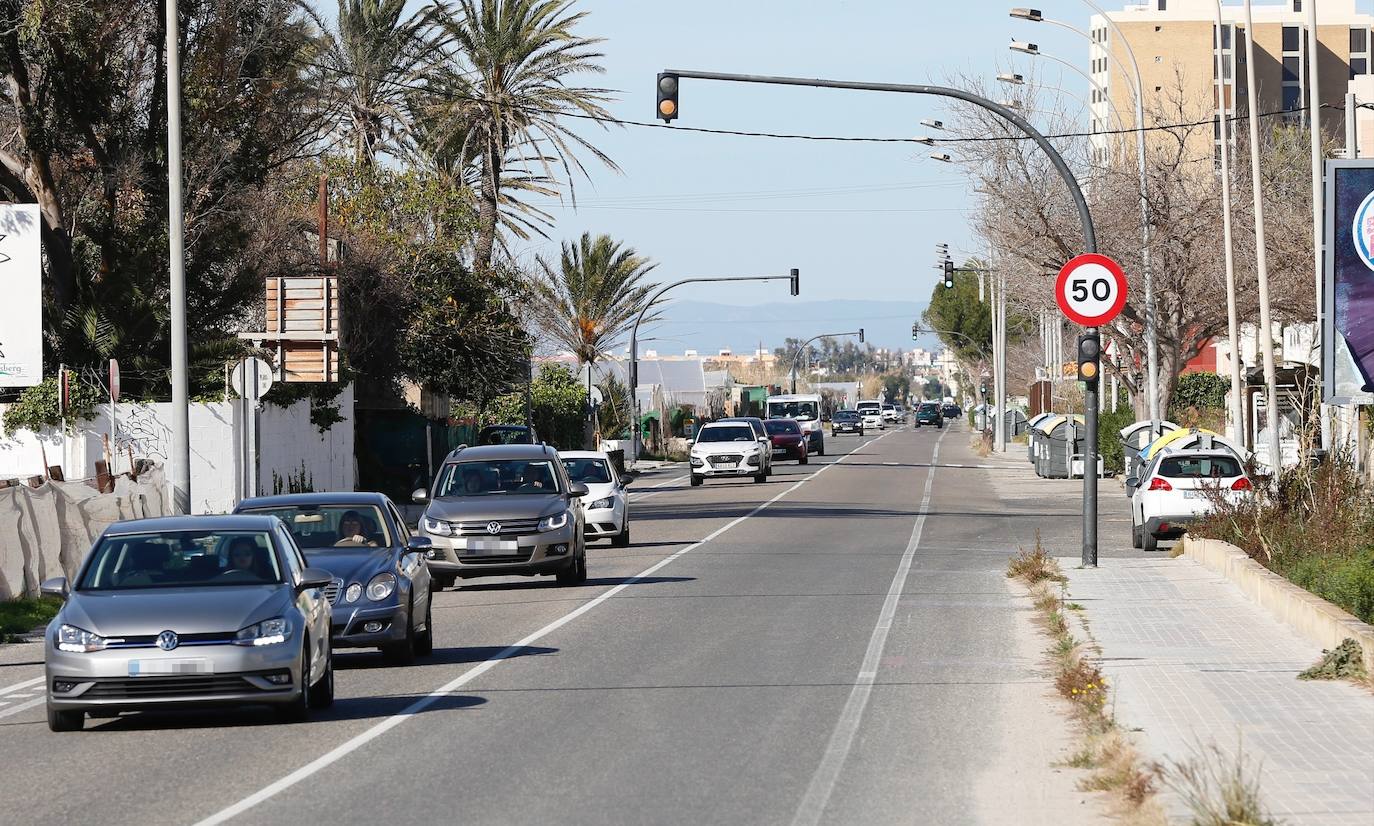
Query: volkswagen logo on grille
{"x": 493, "y": 528}
{"x": 167, "y": 640}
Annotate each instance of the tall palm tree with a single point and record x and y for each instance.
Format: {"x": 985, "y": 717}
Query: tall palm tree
{"x": 376, "y": 56}
{"x": 508, "y": 96}
{"x": 588, "y": 302}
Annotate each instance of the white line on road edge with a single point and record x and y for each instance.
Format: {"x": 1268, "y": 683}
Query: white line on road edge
{"x": 20, "y": 686}
{"x": 822, "y": 784}
{"x": 361, "y": 739}
{"x": 23, "y": 707}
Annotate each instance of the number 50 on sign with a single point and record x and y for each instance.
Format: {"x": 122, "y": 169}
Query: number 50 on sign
{"x": 1091, "y": 290}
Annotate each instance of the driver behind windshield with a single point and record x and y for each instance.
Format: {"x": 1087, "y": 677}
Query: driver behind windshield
{"x": 353, "y": 530}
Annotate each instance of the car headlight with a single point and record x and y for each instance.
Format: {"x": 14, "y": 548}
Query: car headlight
{"x": 438, "y": 527}
{"x": 352, "y": 592}
{"x": 71, "y": 638}
{"x": 553, "y": 523}
{"x": 697, "y": 461}
{"x": 607, "y": 502}
{"x": 267, "y": 632}
{"x": 381, "y": 587}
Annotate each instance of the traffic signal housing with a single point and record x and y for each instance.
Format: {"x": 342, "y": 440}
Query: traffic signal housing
{"x": 1089, "y": 358}
{"x": 667, "y": 98}
{"x": 861, "y": 335}
{"x": 915, "y": 330}
{"x": 796, "y": 282}
{"x": 949, "y": 274}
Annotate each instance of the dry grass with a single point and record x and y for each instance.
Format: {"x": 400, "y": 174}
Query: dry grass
{"x": 982, "y": 445}
{"x": 1220, "y": 789}
{"x": 1035, "y": 566}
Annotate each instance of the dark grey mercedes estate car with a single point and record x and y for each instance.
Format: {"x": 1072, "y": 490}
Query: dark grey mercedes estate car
{"x": 504, "y": 509}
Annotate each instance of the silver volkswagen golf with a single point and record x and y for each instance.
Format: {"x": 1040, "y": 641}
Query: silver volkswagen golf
{"x": 191, "y": 610}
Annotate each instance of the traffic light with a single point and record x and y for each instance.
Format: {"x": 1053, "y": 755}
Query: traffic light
{"x": 667, "y": 98}
{"x": 949, "y": 274}
{"x": 861, "y": 335}
{"x": 915, "y": 330}
{"x": 796, "y": 282}
{"x": 1089, "y": 355}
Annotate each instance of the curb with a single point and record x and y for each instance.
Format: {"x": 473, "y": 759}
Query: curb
{"x": 1312, "y": 617}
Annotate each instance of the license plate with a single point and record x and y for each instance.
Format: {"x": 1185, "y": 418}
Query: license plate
{"x": 492, "y": 547}
{"x": 144, "y": 668}
{"x": 777, "y": 451}
{"x": 726, "y": 466}
{"x": 1193, "y": 494}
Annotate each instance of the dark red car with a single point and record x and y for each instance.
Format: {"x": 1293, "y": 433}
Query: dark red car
{"x": 788, "y": 441}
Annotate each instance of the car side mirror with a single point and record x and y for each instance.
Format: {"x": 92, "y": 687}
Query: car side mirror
{"x": 419, "y": 496}
{"x": 314, "y": 578}
{"x": 55, "y": 587}
{"x": 765, "y": 440}
{"x": 577, "y": 490}
{"x": 419, "y": 544}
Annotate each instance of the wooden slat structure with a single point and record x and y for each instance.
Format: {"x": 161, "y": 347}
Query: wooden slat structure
{"x": 303, "y": 327}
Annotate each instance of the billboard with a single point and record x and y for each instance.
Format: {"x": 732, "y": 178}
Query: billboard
{"x": 21, "y": 284}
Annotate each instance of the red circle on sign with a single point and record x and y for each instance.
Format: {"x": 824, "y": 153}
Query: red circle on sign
{"x": 1073, "y": 309}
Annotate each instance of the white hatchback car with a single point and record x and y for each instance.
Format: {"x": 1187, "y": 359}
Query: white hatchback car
{"x": 872, "y": 411}
{"x": 1177, "y": 488}
{"x": 606, "y": 505}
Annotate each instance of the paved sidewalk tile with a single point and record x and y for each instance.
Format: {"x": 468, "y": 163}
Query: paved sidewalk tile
{"x": 1192, "y": 661}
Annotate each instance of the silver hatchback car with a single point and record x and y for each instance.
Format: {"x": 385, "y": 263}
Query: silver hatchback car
{"x": 191, "y": 610}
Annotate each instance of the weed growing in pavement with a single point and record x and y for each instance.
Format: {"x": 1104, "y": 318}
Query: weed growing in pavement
{"x": 1344, "y": 662}
{"x": 1219, "y": 789}
{"x": 1035, "y": 565}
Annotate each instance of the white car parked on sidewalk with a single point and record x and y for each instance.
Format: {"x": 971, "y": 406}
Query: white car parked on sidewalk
{"x": 1179, "y": 487}
{"x": 606, "y": 505}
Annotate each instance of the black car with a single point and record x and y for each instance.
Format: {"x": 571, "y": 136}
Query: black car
{"x": 951, "y": 411}
{"x": 846, "y": 421}
{"x": 380, "y": 596}
{"x": 929, "y": 413}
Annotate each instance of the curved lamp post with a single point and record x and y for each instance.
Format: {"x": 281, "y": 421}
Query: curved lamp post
{"x": 796, "y": 357}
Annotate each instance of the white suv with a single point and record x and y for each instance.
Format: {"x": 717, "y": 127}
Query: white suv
{"x": 872, "y": 411}
{"x": 730, "y": 449}
{"x": 1177, "y": 488}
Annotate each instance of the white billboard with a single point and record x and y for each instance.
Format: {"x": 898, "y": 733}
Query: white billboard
{"x": 21, "y": 286}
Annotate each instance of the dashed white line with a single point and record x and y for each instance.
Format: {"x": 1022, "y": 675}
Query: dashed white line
{"x": 822, "y": 784}
{"x": 358, "y": 741}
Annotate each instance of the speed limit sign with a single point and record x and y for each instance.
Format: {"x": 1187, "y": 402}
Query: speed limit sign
{"x": 1091, "y": 290}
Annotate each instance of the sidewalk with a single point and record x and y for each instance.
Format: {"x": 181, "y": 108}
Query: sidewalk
{"x": 1193, "y": 663}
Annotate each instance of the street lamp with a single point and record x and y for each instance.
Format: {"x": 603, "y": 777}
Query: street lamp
{"x": 1034, "y": 51}
{"x": 1011, "y": 78}
{"x": 933, "y": 124}
{"x": 794, "y": 278}
{"x": 176, "y": 230}
{"x": 943, "y": 157}
{"x": 796, "y": 357}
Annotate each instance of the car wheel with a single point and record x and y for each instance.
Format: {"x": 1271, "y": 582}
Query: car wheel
{"x": 403, "y": 652}
{"x": 697, "y": 480}
{"x": 804, "y": 459}
{"x": 298, "y": 709}
{"x": 575, "y": 573}
{"x": 1135, "y": 537}
{"x": 322, "y": 692}
{"x": 760, "y": 478}
{"x": 65, "y": 720}
{"x": 820, "y": 449}
{"x": 439, "y": 583}
{"x": 622, "y": 539}
{"x": 424, "y": 642}
{"x": 1148, "y": 541}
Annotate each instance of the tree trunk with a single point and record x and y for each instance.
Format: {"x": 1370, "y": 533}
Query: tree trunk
{"x": 488, "y": 211}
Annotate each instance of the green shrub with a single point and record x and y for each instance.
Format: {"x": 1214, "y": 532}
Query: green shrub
{"x": 1348, "y": 581}
{"x": 20, "y": 616}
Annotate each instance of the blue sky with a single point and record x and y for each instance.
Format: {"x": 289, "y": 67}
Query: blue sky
{"x": 859, "y": 220}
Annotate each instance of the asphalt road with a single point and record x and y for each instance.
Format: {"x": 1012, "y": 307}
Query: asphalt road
{"x": 839, "y": 645}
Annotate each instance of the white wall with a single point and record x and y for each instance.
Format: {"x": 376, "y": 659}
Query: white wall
{"x": 286, "y": 439}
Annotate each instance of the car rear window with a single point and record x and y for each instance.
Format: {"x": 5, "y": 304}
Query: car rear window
{"x": 1199, "y": 467}
{"x": 774, "y": 426}
{"x": 929, "y": 407}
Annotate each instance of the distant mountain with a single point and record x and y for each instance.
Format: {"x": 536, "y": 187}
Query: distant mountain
{"x": 708, "y": 328}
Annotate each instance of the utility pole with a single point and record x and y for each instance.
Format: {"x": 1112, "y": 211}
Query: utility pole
{"x": 1314, "y": 128}
{"x": 181, "y": 413}
{"x": 1232, "y": 314}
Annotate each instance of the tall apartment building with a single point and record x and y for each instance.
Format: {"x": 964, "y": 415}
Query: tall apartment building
{"x": 1173, "y": 42}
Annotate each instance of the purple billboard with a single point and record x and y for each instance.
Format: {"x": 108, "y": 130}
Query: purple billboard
{"x": 1348, "y": 325}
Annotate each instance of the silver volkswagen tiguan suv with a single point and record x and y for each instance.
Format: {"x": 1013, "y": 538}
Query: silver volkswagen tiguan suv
{"x": 498, "y": 510}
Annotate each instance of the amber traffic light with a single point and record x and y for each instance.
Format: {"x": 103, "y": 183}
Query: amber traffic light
{"x": 667, "y": 96}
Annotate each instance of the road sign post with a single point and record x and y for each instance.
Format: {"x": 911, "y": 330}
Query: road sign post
{"x": 1091, "y": 291}
{"x": 251, "y": 379}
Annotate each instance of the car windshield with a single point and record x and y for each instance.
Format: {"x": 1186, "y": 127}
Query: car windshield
{"x": 730, "y": 433}
{"x": 869, "y": 407}
{"x": 1199, "y": 467}
{"x": 805, "y": 411}
{"x": 588, "y": 471}
{"x": 317, "y": 527}
{"x": 496, "y": 476}
{"x": 504, "y": 436}
{"x": 776, "y": 426}
{"x": 180, "y": 559}
{"x": 846, "y": 415}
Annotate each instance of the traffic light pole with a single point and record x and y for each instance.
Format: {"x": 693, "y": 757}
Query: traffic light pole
{"x": 793, "y": 277}
{"x": 668, "y": 90}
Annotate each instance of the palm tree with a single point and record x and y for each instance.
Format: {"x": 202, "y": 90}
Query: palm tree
{"x": 590, "y": 300}
{"x": 375, "y": 55}
{"x": 505, "y": 97}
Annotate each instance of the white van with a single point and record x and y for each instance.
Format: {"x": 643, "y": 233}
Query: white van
{"x": 806, "y": 409}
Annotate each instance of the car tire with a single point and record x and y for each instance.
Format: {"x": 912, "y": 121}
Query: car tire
{"x": 439, "y": 583}
{"x": 622, "y": 539}
{"x": 298, "y": 710}
{"x": 760, "y": 478}
{"x": 424, "y": 641}
{"x": 322, "y": 692}
{"x": 1136, "y": 541}
{"x": 403, "y": 652}
{"x": 575, "y": 573}
{"x": 65, "y": 720}
{"x": 820, "y": 449}
{"x": 1148, "y": 541}
{"x": 697, "y": 480}
{"x": 804, "y": 458}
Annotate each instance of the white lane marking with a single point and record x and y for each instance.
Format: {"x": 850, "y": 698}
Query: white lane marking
{"x": 23, "y": 707}
{"x": 822, "y": 784}
{"x": 358, "y": 741}
{"x": 20, "y": 686}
